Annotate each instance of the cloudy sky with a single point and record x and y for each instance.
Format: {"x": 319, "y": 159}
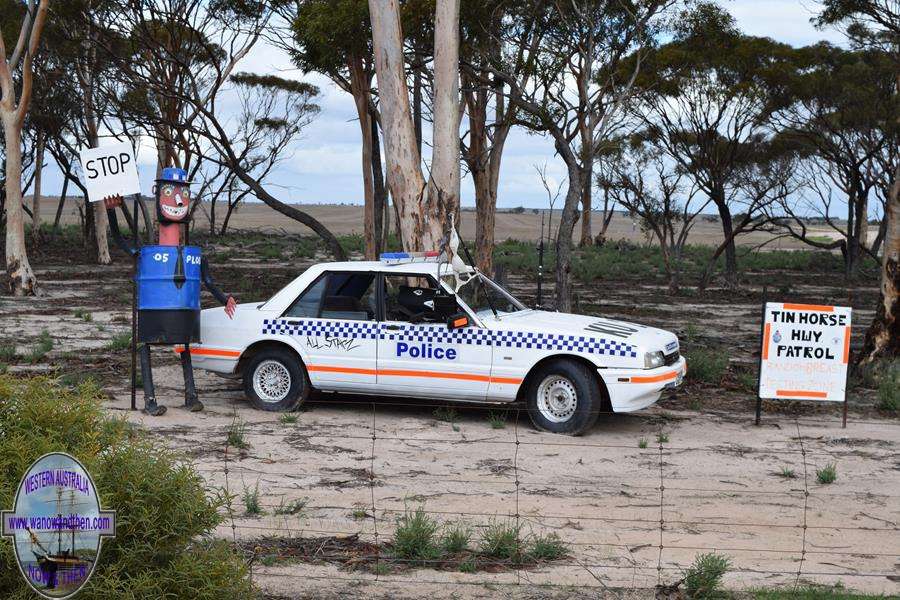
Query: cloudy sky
{"x": 324, "y": 165}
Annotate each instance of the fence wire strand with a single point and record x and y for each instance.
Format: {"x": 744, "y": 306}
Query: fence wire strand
{"x": 671, "y": 493}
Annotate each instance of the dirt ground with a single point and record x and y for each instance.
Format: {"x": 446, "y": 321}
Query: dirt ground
{"x": 631, "y": 517}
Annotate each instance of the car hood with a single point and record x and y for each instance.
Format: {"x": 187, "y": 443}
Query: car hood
{"x": 644, "y": 338}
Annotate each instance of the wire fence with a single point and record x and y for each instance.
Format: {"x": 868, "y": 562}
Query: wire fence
{"x": 629, "y": 513}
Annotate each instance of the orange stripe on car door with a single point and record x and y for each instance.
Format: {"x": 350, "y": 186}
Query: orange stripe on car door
{"x": 210, "y": 352}
{"x": 413, "y": 373}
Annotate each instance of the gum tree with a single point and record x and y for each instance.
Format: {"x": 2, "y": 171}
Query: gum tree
{"x": 16, "y": 85}
{"x": 876, "y": 24}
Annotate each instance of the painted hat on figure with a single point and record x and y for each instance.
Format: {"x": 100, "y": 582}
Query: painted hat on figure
{"x": 174, "y": 175}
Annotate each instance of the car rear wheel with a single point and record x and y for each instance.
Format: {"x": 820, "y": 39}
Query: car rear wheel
{"x": 564, "y": 397}
{"x": 275, "y": 380}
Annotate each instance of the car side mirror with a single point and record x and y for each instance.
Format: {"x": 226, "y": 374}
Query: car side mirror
{"x": 458, "y": 321}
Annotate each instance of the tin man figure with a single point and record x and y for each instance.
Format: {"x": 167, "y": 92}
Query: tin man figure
{"x": 168, "y": 279}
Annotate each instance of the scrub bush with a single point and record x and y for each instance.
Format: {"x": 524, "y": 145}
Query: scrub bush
{"x": 889, "y": 389}
{"x": 501, "y": 540}
{"x": 416, "y": 536}
{"x": 704, "y": 577}
{"x": 165, "y": 512}
{"x": 707, "y": 366}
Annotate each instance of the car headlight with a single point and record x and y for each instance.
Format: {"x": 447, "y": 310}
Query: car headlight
{"x": 653, "y": 360}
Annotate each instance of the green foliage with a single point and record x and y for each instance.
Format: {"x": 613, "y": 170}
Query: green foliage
{"x": 353, "y": 243}
{"x": 662, "y": 438}
{"x": 545, "y": 547}
{"x": 827, "y": 474}
{"x": 294, "y": 507}
{"x": 121, "y": 341}
{"x": 787, "y": 473}
{"x": 446, "y": 414}
{"x": 501, "y": 539}
{"x": 497, "y": 420}
{"x": 39, "y": 351}
{"x": 814, "y": 592}
{"x": 642, "y": 443}
{"x": 456, "y": 537}
{"x": 288, "y": 418}
{"x": 150, "y": 557}
{"x": 7, "y": 353}
{"x": 235, "y": 434}
{"x": 704, "y": 577}
{"x": 889, "y": 389}
{"x": 250, "y": 495}
{"x": 706, "y": 365}
{"x": 416, "y": 536}
{"x": 84, "y": 315}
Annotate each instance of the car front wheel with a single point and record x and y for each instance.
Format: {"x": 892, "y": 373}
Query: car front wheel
{"x": 275, "y": 380}
{"x": 564, "y": 397}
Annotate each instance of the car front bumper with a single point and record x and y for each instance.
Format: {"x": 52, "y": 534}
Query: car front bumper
{"x": 634, "y": 389}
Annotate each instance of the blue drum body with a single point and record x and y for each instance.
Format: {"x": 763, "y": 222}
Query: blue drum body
{"x": 168, "y": 290}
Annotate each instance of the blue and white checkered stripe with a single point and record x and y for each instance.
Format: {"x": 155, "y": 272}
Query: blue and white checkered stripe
{"x": 439, "y": 334}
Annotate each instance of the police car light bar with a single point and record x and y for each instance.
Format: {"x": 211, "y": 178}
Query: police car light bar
{"x": 396, "y": 258}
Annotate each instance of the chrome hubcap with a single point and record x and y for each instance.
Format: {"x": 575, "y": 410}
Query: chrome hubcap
{"x": 271, "y": 381}
{"x": 557, "y": 399}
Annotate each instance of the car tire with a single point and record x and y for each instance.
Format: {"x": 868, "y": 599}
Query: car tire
{"x": 564, "y": 396}
{"x": 275, "y": 380}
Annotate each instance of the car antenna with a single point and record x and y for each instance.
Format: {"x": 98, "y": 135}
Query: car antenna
{"x": 480, "y": 280}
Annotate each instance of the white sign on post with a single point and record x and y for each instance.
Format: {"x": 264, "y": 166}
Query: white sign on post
{"x": 109, "y": 171}
{"x": 805, "y": 351}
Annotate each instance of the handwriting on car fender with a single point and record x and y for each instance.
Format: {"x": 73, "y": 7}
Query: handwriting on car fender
{"x": 327, "y": 342}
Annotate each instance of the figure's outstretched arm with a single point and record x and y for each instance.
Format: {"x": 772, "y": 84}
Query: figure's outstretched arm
{"x": 228, "y": 301}
{"x": 111, "y": 203}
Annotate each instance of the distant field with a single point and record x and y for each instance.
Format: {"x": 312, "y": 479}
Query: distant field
{"x": 348, "y": 219}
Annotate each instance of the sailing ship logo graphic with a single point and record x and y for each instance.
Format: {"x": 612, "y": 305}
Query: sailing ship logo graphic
{"x": 57, "y": 525}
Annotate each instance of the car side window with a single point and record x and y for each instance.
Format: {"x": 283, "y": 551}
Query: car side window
{"x": 348, "y": 296}
{"x": 410, "y": 298}
{"x": 307, "y": 304}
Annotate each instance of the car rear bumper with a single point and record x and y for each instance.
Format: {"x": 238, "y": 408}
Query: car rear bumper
{"x": 634, "y": 389}
{"x": 218, "y": 360}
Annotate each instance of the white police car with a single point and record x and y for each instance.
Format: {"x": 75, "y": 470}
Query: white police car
{"x": 412, "y": 326}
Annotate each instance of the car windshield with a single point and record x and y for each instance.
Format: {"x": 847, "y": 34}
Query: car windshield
{"x": 480, "y": 298}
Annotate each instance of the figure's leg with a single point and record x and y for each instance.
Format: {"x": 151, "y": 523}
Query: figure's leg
{"x": 190, "y": 391}
{"x": 150, "y": 405}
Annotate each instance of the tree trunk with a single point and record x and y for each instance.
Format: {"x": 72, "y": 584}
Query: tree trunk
{"x": 883, "y": 336}
{"x": 379, "y": 195}
{"x": 36, "y": 201}
{"x": 62, "y": 203}
{"x": 22, "y": 281}
{"x": 485, "y": 217}
{"x": 728, "y": 232}
{"x": 359, "y": 88}
{"x": 442, "y": 199}
{"x": 404, "y": 174}
{"x": 587, "y": 237}
{"x": 101, "y": 226}
{"x": 564, "y": 235}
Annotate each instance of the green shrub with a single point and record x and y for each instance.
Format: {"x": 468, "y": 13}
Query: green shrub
{"x": 416, "y": 536}
{"x": 889, "y": 389}
{"x": 40, "y": 350}
{"x": 456, "y": 537}
{"x": 119, "y": 342}
{"x": 294, "y": 507}
{"x": 706, "y": 366}
{"x": 235, "y": 434}
{"x": 501, "y": 539}
{"x": 7, "y": 353}
{"x": 165, "y": 512}
{"x": 704, "y": 577}
{"x": 251, "y": 501}
{"x": 497, "y": 420}
{"x": 546, "y": 547}
{"x": 827, "y": 474}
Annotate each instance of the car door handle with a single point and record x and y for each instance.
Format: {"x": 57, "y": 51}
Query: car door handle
{"x": 393, "y": 327}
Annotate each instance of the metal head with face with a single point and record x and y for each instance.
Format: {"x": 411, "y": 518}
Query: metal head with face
{"x": 173, "y": 196}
